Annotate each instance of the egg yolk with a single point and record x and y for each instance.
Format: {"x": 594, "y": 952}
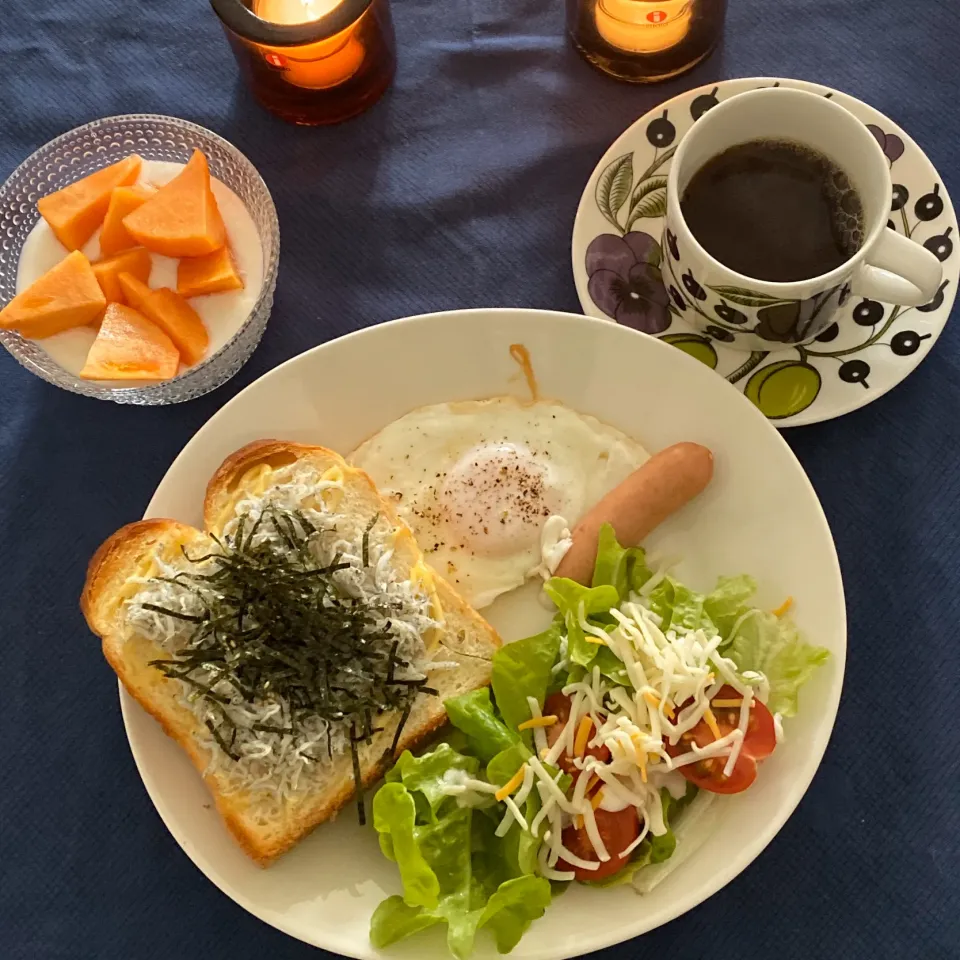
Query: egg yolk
{"x": 497, "y": 497}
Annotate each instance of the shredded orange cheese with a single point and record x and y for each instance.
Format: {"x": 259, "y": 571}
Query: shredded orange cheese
{"x": 548, "y": 721}
{"x": 578, "y": 822}
{"x": 783, "y": 608}
{"x": 711, "y": 722}
{"x": 642, "y": 764}
{"x": 727, "y": 703}
{"x": 590, "y": 638}
{"x": 583, "y": 735}
{"x": 511, "y": 784}
{"x": 655, "y": 702}
{"x": 597, "y": 799}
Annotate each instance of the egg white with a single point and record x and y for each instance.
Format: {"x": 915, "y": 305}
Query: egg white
{"x": 477, "y": 480}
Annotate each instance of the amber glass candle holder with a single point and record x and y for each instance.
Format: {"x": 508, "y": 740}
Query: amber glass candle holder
{"x": 645, "y": 40}
{"x": 312, "y": 71}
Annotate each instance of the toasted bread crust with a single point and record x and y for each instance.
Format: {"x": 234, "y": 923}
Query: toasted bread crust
{"x": 465, "y": 639}
{"x": 228, "y": 475}
{"x": 111, "y": 563}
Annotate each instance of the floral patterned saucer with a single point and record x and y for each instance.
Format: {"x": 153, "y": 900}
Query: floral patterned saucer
{"x": 617, "y": 260}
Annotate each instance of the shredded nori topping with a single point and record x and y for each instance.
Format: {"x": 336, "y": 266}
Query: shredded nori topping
{"x": 277, "y": 627}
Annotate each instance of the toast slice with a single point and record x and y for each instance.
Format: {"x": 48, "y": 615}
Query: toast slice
{"x": 458, "y": 647}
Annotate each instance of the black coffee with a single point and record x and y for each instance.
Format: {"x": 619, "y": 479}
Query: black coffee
{"x": 774, "y": 210}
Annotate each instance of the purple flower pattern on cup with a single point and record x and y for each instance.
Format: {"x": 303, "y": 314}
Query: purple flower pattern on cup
{"x": 625, "y": 280}
{"x": 890, "y": 143}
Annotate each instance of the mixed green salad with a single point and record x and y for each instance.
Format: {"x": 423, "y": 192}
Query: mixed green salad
{"x": 598, "y": 733}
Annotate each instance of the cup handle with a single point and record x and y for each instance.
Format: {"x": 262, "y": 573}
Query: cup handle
{"x": 899, "y": 271}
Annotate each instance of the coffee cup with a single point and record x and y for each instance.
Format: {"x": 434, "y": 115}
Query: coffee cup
{"x": 755, "y": 314}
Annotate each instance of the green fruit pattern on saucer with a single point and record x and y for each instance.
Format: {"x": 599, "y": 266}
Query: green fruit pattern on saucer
{"x": 783, "y": 389}
{"x": 858, "y": 354}
{"x": 699, "y": 347}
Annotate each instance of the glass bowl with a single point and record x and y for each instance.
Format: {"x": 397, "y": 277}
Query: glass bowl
{"x": 90, "y": 147}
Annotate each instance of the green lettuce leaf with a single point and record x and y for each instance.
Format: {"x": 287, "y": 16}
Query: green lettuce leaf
{"x": 394, "y": 921}
{"x": 454, "y": 868}
{"x": 506, "y": 763}
{"x": 660, "y": 601}
{"x": 568, "y": 595}
{"x": 679, "y": 607}
{"x": 728, "y": 601}
{"x": 524, "y": 669}
{"x": 490, "y": 863}
{"x": 443, "y": 850}
{"x": 394, "y": 815}
{"x": 771, "y": 645}
{"x": 623, "y": 568}
{"x": 688, "y": 610}
{"x": 611, "y": 666}
{"x": 473, "y": 714}
{"x": 425, "y": 773}
{"x": 511, "y": 910}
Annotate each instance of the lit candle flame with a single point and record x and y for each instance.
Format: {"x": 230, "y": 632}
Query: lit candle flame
{"x": 294, "y": 11}
{"x": 319, "y": 65}
{"x": 643, "y": 26}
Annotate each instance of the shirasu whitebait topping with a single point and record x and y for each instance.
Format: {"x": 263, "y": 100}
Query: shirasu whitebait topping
{"x": 290, "y": 636}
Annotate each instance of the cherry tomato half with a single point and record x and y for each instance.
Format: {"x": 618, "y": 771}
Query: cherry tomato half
{"x": 617, "y": 831}
{"x": 558, "y": 705}
{"x": 758, "y": 743}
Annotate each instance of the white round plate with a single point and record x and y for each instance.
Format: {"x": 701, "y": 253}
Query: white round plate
{"x": 337, "y": 394}
{"x": 870, "y": 349}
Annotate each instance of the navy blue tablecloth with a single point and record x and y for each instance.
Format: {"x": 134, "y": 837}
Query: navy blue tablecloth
{"x": 459, "y": 189}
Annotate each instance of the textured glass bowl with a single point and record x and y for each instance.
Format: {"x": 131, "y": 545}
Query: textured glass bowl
{"x": 90, "y": 147}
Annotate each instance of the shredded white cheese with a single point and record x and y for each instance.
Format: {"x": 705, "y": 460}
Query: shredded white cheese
{"x": 666, "y": 669}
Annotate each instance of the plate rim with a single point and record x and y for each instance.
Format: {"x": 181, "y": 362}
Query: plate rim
{"x": 803, "y": 418}
{"x": 130, "y": 709}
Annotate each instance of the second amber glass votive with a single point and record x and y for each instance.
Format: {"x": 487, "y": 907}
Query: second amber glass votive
{"x": 645, "y": 40}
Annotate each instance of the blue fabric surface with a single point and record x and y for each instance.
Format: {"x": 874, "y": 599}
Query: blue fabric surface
{"x": 457, "y": 190}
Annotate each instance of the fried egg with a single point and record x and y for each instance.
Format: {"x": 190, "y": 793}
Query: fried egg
{"x": 477, "y": 481}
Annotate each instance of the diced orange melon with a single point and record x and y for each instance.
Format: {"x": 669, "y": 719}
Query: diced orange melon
{"x": 214, "y": 273}
{"x": 182, "y": 218}
{"x": 113, "y": 234}
{"x": 136, "y": 263}
{"x": 169, "y": 311}
{"x": 130, "y": 347}
{"x": 135, "y": 291}
{"x": 181, "y": 322}
{"x": 75, "y": 212}
{"x": 64, "y": 297}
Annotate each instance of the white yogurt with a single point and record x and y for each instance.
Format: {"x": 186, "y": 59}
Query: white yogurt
{"x": 222, "y": 313}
